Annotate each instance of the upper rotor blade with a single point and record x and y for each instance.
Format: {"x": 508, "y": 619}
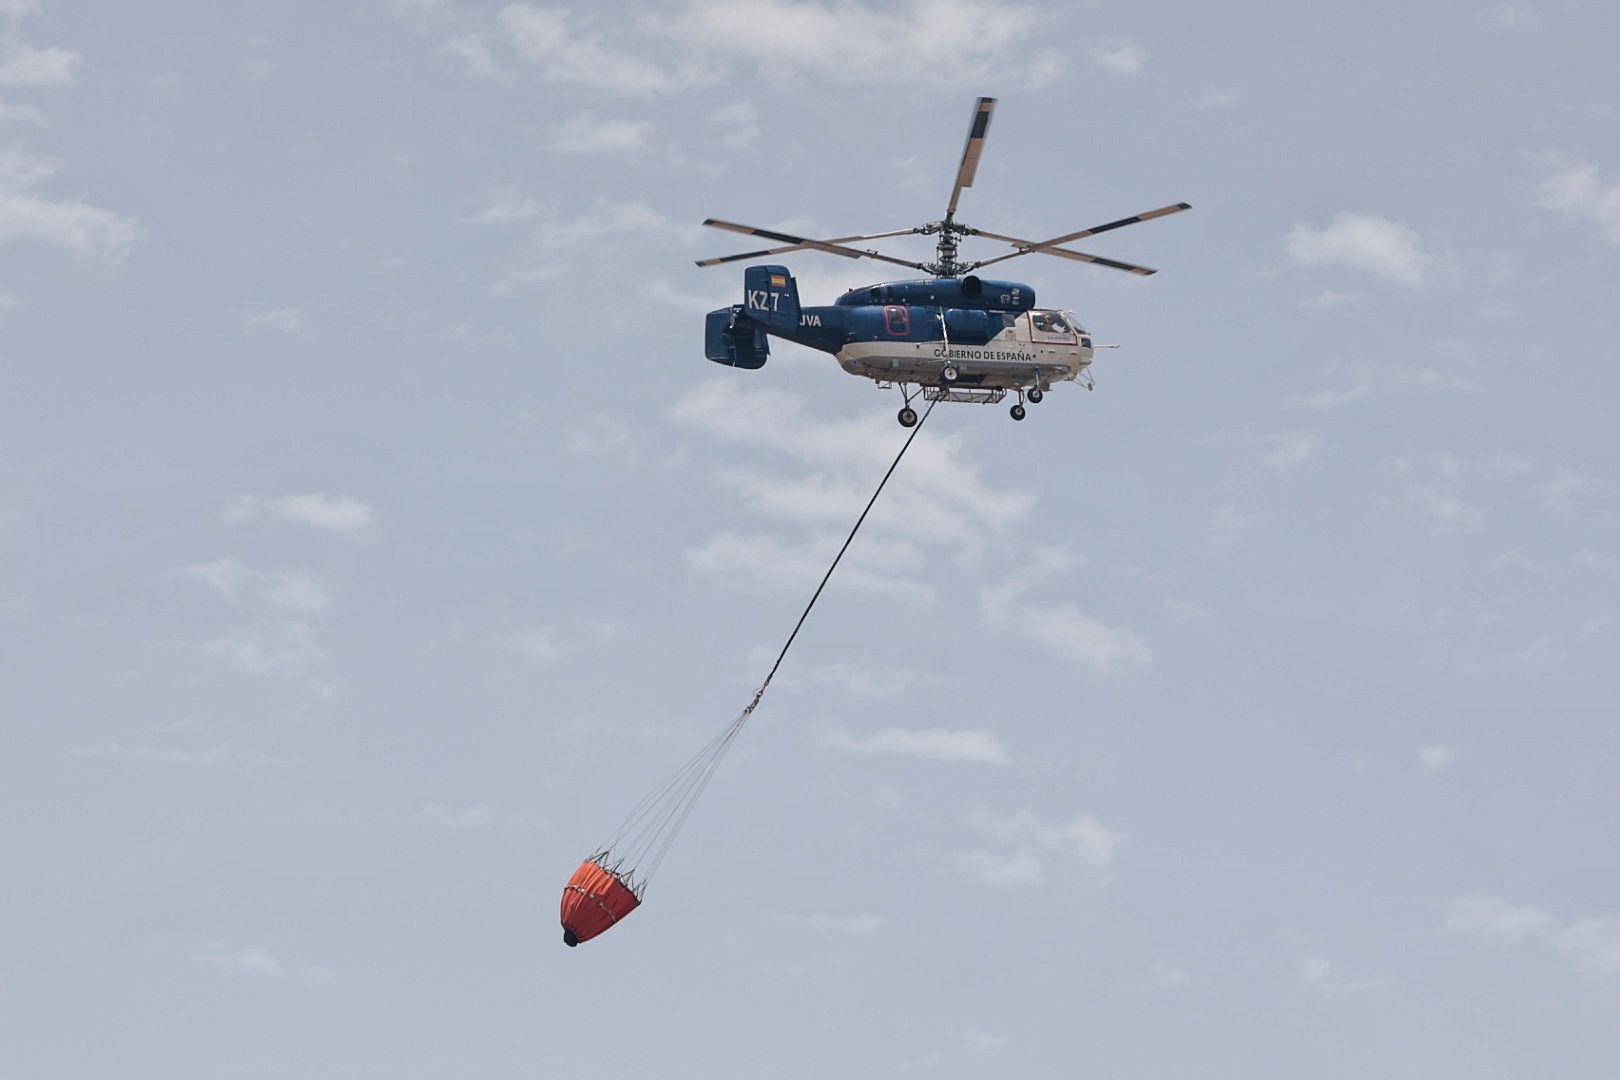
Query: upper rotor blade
{"x": 800, "y": 247}
{"x": 1174, "y": 208}
{"x": 971, "y": 152}
{"x": 793, "y": 242}
{"x": 1047, "y": 249}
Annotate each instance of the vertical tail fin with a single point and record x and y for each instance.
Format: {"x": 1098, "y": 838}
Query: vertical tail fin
{"x": 771, "y": 297}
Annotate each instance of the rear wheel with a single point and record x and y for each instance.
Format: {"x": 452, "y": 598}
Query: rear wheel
{"x": 1017, "y": 412}
{"x": 1035, "y": 395}
{"x": 949, "y": 373}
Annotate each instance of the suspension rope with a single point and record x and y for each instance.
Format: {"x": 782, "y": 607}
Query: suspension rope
{"x": 651, "y": 827}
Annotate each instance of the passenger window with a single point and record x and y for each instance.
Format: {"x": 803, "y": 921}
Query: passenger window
{"x": 898, "y": 321}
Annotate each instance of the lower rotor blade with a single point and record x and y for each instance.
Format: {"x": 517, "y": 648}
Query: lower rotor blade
{"x": 793, "y": 242}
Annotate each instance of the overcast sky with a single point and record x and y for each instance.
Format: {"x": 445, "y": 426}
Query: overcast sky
{"x": 373, "y": 534}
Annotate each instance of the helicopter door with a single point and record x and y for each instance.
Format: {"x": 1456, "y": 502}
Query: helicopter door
{"x": 897, "y": 321}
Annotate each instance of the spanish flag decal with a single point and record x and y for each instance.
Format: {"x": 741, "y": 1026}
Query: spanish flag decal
{"x": 778, "y": 281}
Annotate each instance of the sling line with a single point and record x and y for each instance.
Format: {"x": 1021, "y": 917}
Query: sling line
{"x": 652, "y": 826}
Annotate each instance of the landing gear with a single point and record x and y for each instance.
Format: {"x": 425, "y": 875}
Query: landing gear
{"x": 1017, "y": 412}
{"x": 1035, "y": 395}
{"x": 948, "y": 373}
{"x": 908, "y": 417}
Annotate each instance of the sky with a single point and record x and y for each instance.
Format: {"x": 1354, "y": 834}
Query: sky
{"x": 373, "y": 534}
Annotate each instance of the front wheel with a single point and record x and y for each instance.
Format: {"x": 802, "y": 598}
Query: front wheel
{"x": 1035, "y": 395}
{"x": 1017, "y": 412}
{"x": 908, "y": 417}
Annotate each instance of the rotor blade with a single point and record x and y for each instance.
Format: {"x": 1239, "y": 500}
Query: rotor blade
{"x": 1077, "y": 256}
{"x": 1173, "y": 208}
{"x": 815, "y": 245}
{"x": 800, "y": 247}
{"x": 971, "y": 152}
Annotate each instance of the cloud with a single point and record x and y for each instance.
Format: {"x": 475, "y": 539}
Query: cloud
{"x": 20, "y": 114}
{"x": 506, "y": 209}
{"x": 937, "y": 744}
{"x": 1001, "y": 871}
{"x": 1334, "y": 398}
{"x": 1516, "y": 17}
{"x": 1290, "y": 449}
{"x": 737, "y": 124}
{"x": 540, "y": 644}
{"x": 474, "y": 51}
{"x": 24, "y": 65}
{"x": 1217, "y": 97}
{"x": 1120, "y": 57}
{"x": 84, "y": 230}
{"x": 213, "y": 757}
{"x": 1085, "y": 838}
{"x": 16, "y": 9}
{"x": 334, "y": 513}
{"x": 1364, "y": 242}
{"x": 253, "y": 963}
{"x": 258, "y": 962}
{"x": 850, "y": 925}
{"x": 1062, "y": 629}
{"x": 852, "y": 43}
{"x": 546, "y": 38}
{"x": 1592, "y": 942}
{"x": 1578, "y": 191}
{"x": 1435, "y": 758}
{"x": 475, "y": 816}
{"x": 288, "y": 320}
{"x": 586, "y": 134}
{"x": 1433, "y": 484}
{"x": 1315, "y": 970}
{"x": 280, "y": 638}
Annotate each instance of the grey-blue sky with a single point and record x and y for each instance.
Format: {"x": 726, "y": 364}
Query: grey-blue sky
{"x": 373, "y": 534}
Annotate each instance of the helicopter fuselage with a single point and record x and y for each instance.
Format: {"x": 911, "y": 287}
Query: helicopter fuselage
{"x": 962, "y": 332}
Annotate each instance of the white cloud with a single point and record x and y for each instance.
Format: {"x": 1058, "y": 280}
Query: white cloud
{"x": 474, "y": 50}
{"x": 540, "y": 644}
{"x": 1592, "y": 941}
{"x": 1579, "y": 192}
{"x": 24, "y": 65}
{"x": 288, "y": 320}
{"x": 16, "y": 9}
{"x": 1290, "y": 449}
{"x": 475, "y": 816}
{"x": 938, "y": 744}
{"x": 851, "y": 925}
{"x": 546, "y": 38}
{"x": 1061, "y": 628}
{"x": 1520, "y": 17}
{"x": 850, "y": 42}
{"x": 1433, "y": 484}
{"x": 334, "y": 513}
{"x": 1334, "y": 398}
{"x": 213, "y": 757}
{"x": 256, "y": 963}
{"x": 1218, "y": 97}
{"x": 1086, "y": 838}
{"x": 737, "y": 125}
{"x": 507, "y": 208}
{"x": 1316, "y": 970}
{"x": 586, "y": 134}
{"x": 1001, "y": 871}
{"x": 604, "y": 218}
{"x": 287, "y": 646}
{"x": 1120, "y": 57}
{"x": 84, "y": 230}
{"x": 280, "y": 638}
{"x": 1434, "y": 758}
{"x": 1364, "y": 242}
{"x": 1066, "y": 631}
{"x": 20, "y": 114}
{"x": 1494, "y": 917}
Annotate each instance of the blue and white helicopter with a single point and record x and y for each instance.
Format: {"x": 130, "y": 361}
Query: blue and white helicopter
{"x": 952, "y": 337}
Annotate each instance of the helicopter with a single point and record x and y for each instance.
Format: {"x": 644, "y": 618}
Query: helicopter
{"x": 953, "y": 336}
